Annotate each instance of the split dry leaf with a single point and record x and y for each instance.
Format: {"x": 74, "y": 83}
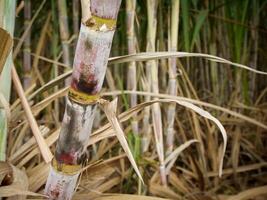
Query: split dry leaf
{"x": 189, "y": 105}
{"x": 110, "y": 111}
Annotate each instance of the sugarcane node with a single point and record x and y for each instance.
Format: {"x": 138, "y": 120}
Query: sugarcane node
{"x": 81, "y": 97}
{"x": 66, "y": 168}
{"x": 97, "y": 23}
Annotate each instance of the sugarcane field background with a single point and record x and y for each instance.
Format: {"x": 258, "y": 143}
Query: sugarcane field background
{"x": 133, "y": 99}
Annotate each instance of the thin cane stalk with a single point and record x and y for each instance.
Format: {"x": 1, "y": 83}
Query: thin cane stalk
{"x": 76, "y": 20}
{"x": 147, "y": 87}
{"x": 54, "y": 41}
{"x": 152, "y": 6}
{"x": 64, "y": 33}
{"x": 27, "y": 46}
{"x": 130, "y": 9}
{"x": 172, "y": 85}
{"x": 90, "y": 62}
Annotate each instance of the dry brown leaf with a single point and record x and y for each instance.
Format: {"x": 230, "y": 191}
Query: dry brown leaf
{"x": 110, "y": 111}
{"x": 38, "y": 176}
{"x": 99, "y": 190}
{"x": 16, "y": 182}
{"x": 170, "y": 160}
{"x": 159, "y": 190}
{"x": 126, "y": 197}
{"x": 250, "y": 193}
{"x": 160, "y": 55}
{"x": 191, "y": 106}
{"x": 194, "y": 101}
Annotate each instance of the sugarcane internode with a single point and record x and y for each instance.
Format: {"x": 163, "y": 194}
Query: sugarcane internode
{"x": 89, "y": 67}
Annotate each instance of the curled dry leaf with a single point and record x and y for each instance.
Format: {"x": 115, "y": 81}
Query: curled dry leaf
{"x": 170, "y": 160}
{"x": 14, "y": 182}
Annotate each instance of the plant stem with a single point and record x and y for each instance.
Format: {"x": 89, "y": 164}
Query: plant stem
{"x": 172, "y": 85}
{"x": 64, "y": 33}
{"x": 76, "y": 11}
{"x": 130, "y": 9}
{"x": 152, "y": 71}
{"x": 90, "y": 62}
{"x": 27, "y": 46}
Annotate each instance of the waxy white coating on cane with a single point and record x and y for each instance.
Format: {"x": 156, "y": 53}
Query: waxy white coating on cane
{"x": 90, "y": 62}
{"x": 60, "y": 186}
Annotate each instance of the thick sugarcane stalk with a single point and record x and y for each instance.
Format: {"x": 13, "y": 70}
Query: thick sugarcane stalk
{"x": 152, "y": 67}
{"x": 64, "y": 33}
{"x": 89, "y": 67}
{"x": 172, "y": 85}
{"x": 27, "y": 46}
{"x": 130, "y": 9}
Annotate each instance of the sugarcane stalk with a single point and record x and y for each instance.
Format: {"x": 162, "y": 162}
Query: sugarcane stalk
{"x": 89, "y": 67}
{"x": 75, "y": 11}
{"x": 163, "y": 64}
{"x": 152, "y": 71}
{"x": 130, "y": 9}
{"x": 172, "y": 85}
{"x": 54, "y": 45}
{"x": 145, "y": 141}
{"x": 27, "y": 46}
{"x": 64, "y": 33}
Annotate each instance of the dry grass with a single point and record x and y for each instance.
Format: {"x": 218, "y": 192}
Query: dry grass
{"x": 193, "y": 164}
